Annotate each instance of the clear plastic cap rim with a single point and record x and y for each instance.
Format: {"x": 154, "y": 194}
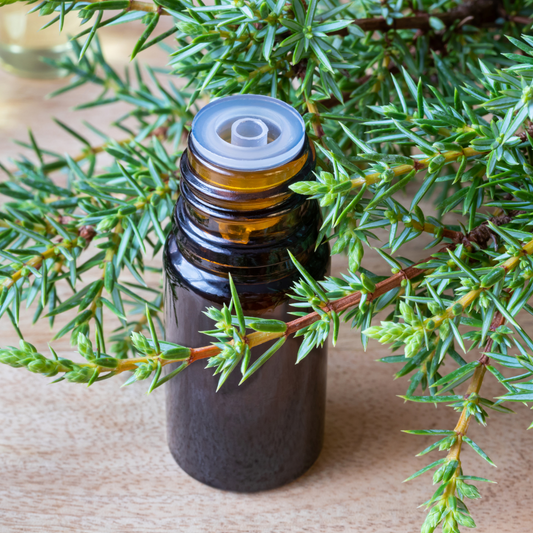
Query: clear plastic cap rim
{"x": 286, "y": 132}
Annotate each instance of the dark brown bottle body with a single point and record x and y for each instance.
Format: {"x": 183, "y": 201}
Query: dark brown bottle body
{"x": 269, "y": 430}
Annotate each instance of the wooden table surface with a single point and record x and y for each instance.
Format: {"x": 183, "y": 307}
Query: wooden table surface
{"x": 96, "y": 460}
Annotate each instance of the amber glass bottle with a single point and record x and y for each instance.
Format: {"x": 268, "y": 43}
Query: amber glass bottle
{"x": 240, "y": 217}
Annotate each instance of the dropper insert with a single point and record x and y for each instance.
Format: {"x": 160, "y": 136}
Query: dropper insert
{"x": 249, "y": 132}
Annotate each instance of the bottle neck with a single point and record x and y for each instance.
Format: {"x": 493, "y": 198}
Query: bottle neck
{"x": 227, "y": 220}
{"x": 237, "y": 190}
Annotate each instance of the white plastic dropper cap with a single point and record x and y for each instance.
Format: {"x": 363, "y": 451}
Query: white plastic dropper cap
{"x": 248, "y": 132}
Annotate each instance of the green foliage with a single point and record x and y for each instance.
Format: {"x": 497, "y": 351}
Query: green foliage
{"x": 440, "y": 100}
{"x": 230, "y": 331}
{"x": 99, "y": 365}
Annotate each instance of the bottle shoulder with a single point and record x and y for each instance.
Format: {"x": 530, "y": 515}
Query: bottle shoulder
{"x": 259, "y": 287}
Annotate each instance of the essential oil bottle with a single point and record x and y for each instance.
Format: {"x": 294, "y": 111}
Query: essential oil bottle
{"x": 236, "y": 215}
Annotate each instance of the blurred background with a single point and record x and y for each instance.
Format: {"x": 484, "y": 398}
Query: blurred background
{"x": 25, "y": 80}
{"x": 24, "y": 43}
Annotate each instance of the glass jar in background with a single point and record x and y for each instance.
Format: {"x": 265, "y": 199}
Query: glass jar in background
{"x": 23, "y": 45}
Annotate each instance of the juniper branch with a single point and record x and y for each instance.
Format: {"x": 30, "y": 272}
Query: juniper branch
{"x": 417, "y": 166}
{"x": 412, "y": 272}
{"x": 446, "y": 504}
{"x": 476, "y": 13}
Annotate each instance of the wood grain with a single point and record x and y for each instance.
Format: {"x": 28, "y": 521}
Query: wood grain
{"x": 95, "y": 460}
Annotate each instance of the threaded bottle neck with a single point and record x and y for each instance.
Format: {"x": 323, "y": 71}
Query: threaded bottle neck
{"x": 227, "y": 219}
{"x": 236, "y": 190}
